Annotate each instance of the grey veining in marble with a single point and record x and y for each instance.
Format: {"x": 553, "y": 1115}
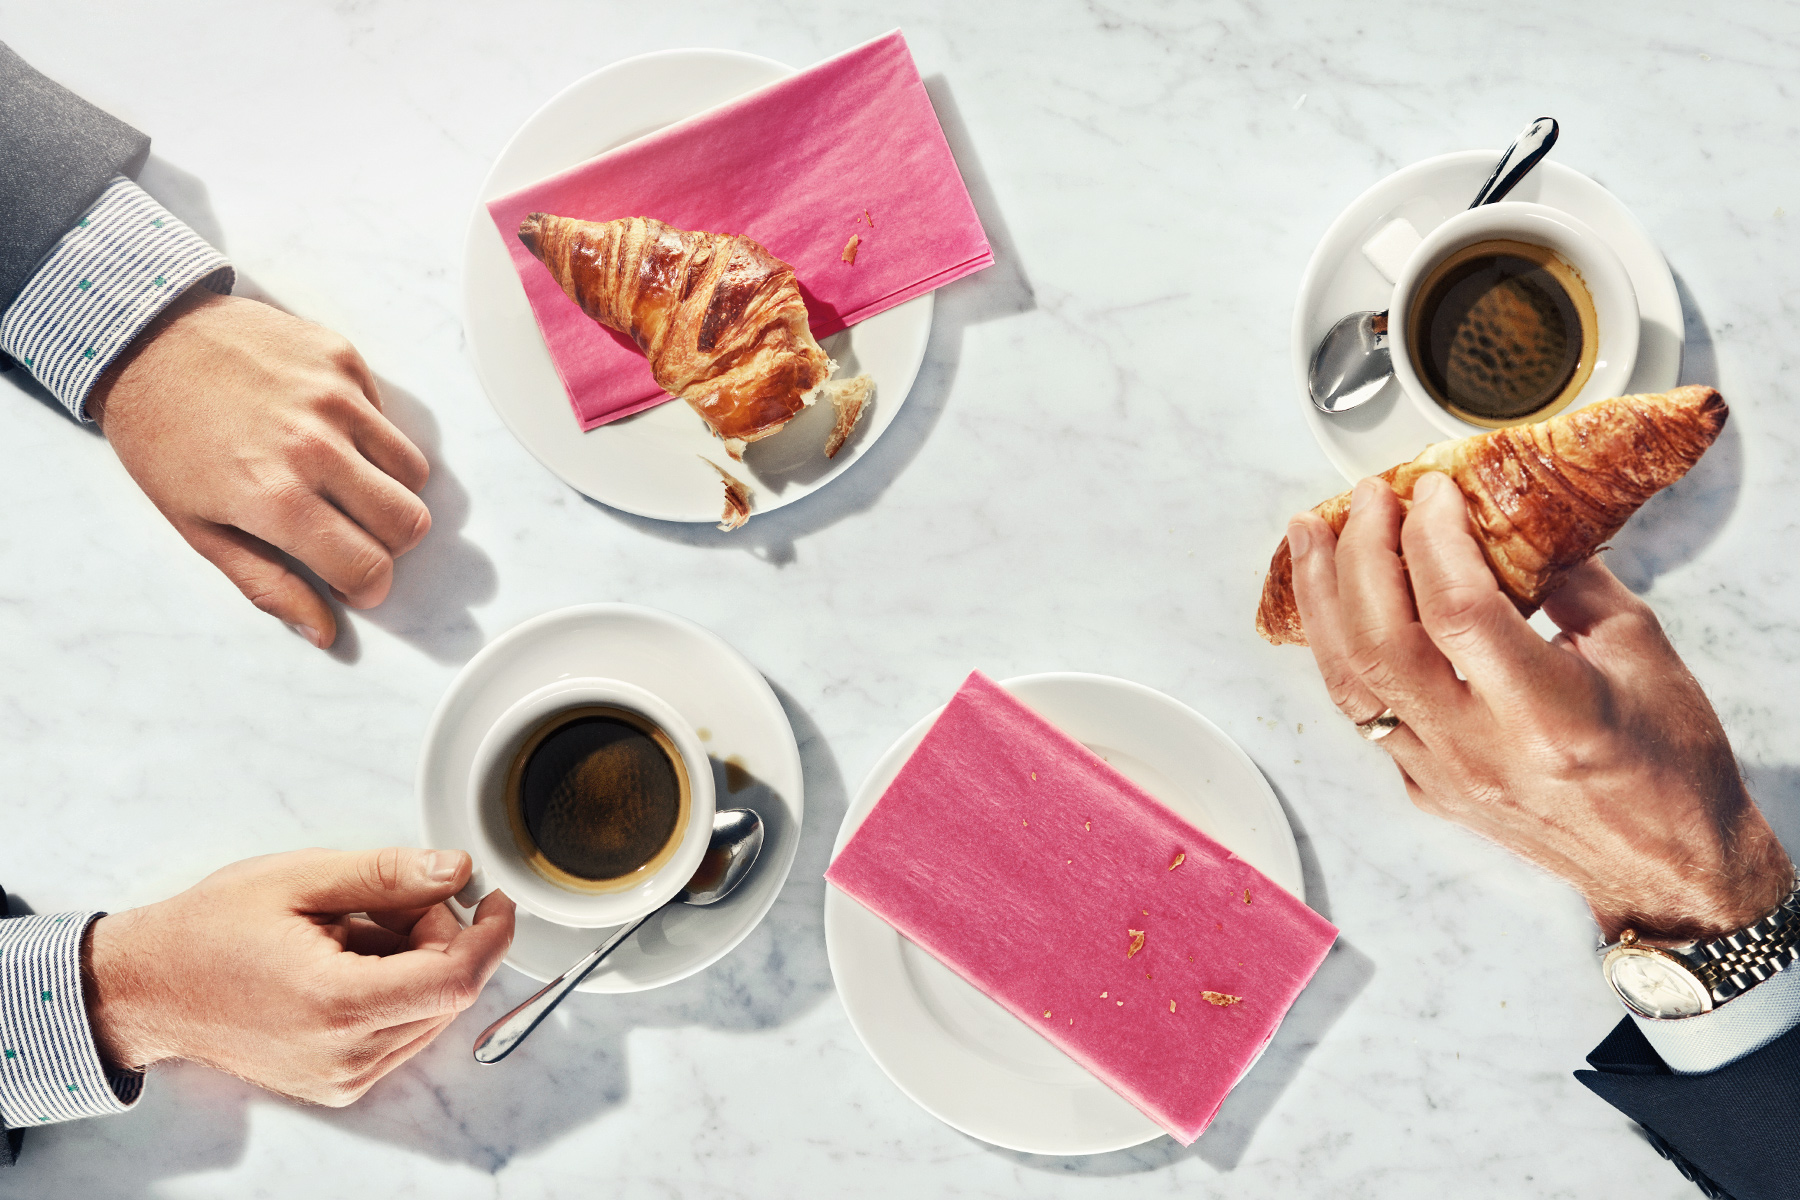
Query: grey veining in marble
{"x": 1090, "y": 474}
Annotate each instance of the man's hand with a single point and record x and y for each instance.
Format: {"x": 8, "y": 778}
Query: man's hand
{"x": 259, "y": 971}
{"x": 256, "y": 432}
{"x": 1595, "y": 755}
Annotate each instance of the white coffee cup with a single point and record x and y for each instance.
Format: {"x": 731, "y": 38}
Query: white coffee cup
{"x": 502, "y": 862}
{"x": 1608, "y": 284}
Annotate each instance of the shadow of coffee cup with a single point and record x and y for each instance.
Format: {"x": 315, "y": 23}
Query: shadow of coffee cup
{"x": 514, "y": 855}
{"x": 1574, "y": 310}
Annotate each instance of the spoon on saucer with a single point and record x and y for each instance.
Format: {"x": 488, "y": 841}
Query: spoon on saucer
{"x": 737, "y": 838}
{"x": 1352, "y": 362}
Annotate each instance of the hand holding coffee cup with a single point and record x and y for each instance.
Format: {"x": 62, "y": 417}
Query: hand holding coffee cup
{"x": 1510, "y": 313}
{"x": 592, "y": 803}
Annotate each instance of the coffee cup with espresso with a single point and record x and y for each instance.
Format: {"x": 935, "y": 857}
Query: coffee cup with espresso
{"x": 1510, "y": 313}
{"x": 592, "y": 803}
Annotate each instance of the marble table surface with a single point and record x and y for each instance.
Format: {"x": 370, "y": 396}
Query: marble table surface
{"x": 1090, "y": 474}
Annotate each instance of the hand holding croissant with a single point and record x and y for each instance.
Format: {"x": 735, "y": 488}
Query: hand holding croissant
{"x": 1595, "y": 755}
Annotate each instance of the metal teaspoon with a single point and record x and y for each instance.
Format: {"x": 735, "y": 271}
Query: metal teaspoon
{"x": 1352, "y": 362}
{"x": 737, "y": 838}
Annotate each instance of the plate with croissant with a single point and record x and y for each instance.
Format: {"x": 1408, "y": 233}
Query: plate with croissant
{"x": 763, "y": 414}
{"x": 1342, "y": 278}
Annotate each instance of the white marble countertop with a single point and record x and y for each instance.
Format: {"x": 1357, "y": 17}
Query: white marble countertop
{"x": 1090, "y": 474}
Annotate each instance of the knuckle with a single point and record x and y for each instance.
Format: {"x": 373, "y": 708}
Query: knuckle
{"x": 367, "y": 568}
{"x": 383, "y": 871}
{"x": 421, "y": 525}
{"x": 1458, "y": 611}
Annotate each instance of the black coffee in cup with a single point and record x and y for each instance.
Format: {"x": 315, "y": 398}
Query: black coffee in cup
{"x": 1502, "y": 331}
{"x": 597, "y": 797}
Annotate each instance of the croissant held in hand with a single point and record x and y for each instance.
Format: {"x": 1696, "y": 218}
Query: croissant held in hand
{"x": 1543, "y": 497}
{"x": 719, "y": 317}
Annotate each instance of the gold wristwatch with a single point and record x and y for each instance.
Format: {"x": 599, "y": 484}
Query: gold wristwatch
{"x": 1667, "y": 984}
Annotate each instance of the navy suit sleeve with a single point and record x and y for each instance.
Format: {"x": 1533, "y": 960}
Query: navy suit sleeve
{"x": 57, "y": 154}
{"x": 1735, "y": 1131}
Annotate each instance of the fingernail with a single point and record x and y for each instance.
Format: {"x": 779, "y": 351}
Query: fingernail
{"x": 441, "y": 866}
{"x": 305, "y": 631}
{"x": 1364, "y": 490}
{"x": 1299, "y": 541}
{"x": 1428, "y": 486}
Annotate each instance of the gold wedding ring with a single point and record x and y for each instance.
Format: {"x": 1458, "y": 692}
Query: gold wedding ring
{"x": 1376, "y": 728}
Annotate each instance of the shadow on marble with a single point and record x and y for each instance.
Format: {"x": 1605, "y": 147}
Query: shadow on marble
{"x": 1777, "y": 792}
{"x": 445, "y": 576}
{"x": 577, "y": 1066}
{"x": 184, "y": 195}
{"x": 1002, "y": 290}
{"x": 1678, "y": 523}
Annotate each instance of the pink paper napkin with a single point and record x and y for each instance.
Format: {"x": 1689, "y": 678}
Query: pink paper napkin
{"x": 1029, "y": 866}
{"x": 850, "y": 147}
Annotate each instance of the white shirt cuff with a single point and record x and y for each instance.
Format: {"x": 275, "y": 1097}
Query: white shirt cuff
{"x": 1696, "y": 1045}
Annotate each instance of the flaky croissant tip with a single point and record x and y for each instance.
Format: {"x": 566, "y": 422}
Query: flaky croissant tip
{"x": 529, "y": 230}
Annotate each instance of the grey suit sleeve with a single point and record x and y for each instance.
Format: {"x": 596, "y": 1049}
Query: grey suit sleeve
{"x": 57, "y": 154}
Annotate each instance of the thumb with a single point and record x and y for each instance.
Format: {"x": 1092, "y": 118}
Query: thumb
{"x": 335, "y": 882}
{"x": 261, "y": 574}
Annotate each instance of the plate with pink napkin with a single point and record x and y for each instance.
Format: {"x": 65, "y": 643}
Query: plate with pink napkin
{"x": 1067, "y": 914}
{"x": 807, "y": 163}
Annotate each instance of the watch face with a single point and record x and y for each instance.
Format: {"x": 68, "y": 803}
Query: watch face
{"x": 1654, "y": 984}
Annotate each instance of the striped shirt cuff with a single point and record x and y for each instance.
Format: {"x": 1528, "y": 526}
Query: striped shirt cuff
{"x": 50, "y": 1069}
{"x": 124, "y": 261}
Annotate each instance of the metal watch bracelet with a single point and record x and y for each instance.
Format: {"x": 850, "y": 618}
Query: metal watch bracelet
{"x": 1723, "y": 968}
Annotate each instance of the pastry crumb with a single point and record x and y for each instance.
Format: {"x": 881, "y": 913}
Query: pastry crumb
{"x": 1087, "y": 825}
{"x": 868, "y": 218}
{"x": 1180, "y": 857}
{"x": 1103, "y": 995}
{"x": 1221, "y": 999}
{"x": 1046, "y": 1012}
{"x": 1120, "y": 1003}
{"x": 1246, "y": 895}
{"x": 737, "y": 498}
{"x": 849, "y": 254}
{"x": 1171, "y": 1006}
{"x": 1137, "y": 941}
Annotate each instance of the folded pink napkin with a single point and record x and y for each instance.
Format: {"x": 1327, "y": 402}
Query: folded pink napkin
{"x": 848, "y": 148}
{"x": 1146, "y": 951}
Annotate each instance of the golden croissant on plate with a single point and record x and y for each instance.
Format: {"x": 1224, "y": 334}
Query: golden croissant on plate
{"x": 1543, "y": 498}
{"x": 720, "y": 318}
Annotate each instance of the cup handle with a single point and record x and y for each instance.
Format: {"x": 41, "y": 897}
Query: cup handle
{"x": 476, "y": 890}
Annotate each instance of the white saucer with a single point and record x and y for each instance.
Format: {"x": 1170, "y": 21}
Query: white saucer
{"x": 1339, "y": 280}
{"x": 719, "y": 693}
{"x": 958, "y": 1054}
{"x": 649, "y": 463}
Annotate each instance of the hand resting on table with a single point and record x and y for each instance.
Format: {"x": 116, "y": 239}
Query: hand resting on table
{"x": 256, "y": 432}
{"x": 1595, "y": 755}
{"x": 259, "y": 970}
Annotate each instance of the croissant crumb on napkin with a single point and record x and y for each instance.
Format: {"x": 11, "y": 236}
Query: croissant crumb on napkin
{"x": 1545, "y": 497}
{"x": 720, "y": 318}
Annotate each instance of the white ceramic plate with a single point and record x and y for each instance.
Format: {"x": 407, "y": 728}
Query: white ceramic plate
{"x": 711, "y": 685}
{"x": 649, "y": 463}
{"x": 1340, "y": 280}
{"x": 958, "y": 1054}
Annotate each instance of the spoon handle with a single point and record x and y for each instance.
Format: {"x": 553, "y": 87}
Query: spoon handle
{"x": 503, "y": 1036}
{"x": 1525, "y": 153}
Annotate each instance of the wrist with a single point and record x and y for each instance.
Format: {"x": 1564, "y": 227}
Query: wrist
{"x": 107, "y": 394}
{"x": 119, "y": 994}
{"x": 1695, "y": 902}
